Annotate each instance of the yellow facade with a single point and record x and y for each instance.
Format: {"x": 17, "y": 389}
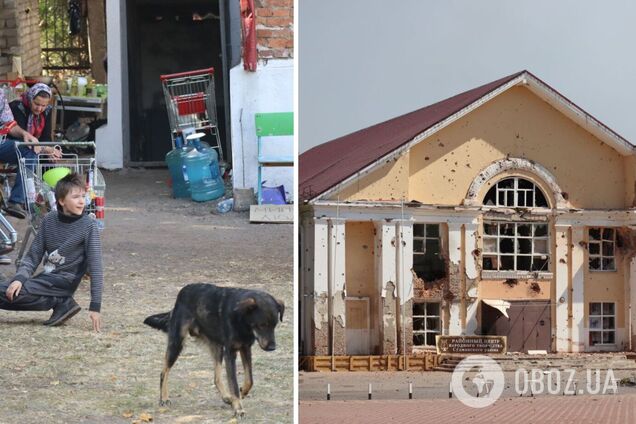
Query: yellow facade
{"x": 517, "y": 123}
{"x": 440, "y": 169}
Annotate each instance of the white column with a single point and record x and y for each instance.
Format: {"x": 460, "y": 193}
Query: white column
{"x": 320, "y": 296}
{"x": 337, "y": 269}
{"x": 471, "y": 244}
{"x": 405, "y": 284}
{"x": 386, "y": 247}
{"x": 110, "y": 138}
{"x": 470, "y": 236}
{"x": 406, "y": 261}
{"x": 578, "y": 285}
{"x": 455, "y": 275}
{"x": 386, "y": 257}
{"x": 561, "y": 259}
{"x": 321, "y": 271}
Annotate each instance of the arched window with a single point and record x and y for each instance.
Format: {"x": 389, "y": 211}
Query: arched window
{"x": 515, "y": 192}
{"x": 522, "y": 246}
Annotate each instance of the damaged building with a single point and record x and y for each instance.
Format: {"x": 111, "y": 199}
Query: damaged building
{"x": 505, "y": 210}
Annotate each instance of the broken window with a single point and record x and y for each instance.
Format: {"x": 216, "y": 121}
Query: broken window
{"x": 426, "y": 323}
{"x": 601, "y": 249}
{"x": 515, "y": 193}
{"x": 515, "y": 246}
{"x": 602, "y": 323}
{"x": 428, "y": 263}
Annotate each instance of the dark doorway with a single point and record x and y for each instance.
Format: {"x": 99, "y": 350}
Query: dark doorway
{"x": 528, "y": 326}
{"x": 164, "y": 37}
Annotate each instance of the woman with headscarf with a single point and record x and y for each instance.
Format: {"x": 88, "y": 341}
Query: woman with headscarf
{"x": 32, "y": 112}
{"x": 15, "y": 205}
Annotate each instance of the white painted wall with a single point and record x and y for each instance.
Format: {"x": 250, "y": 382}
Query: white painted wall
{"x": 578, "y": 290}
{"x": 561, "y": 258}
{"x": 269, "y": 89}
{"x": 110, "y": 137}
{"x": 455, "y": 257}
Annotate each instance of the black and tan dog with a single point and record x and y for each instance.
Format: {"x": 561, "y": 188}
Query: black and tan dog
{"x": 228, "y": 320}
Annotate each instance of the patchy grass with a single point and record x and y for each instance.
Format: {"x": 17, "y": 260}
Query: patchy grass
{"x": 153, "y": 246}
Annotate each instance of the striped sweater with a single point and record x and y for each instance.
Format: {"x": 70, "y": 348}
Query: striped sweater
{"x": 67, "y": 245}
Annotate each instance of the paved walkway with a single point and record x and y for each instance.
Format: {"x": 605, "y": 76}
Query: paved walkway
{"x": 546, "y": 409}
{"x": 353, "y": 386}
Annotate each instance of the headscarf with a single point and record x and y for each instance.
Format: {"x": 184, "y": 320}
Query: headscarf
{"x": 36, "y": 123}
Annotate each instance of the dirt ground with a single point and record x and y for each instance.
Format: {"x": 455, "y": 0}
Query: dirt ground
{"x": 153, "y": 245}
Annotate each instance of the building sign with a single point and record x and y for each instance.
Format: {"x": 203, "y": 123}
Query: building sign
{"x": 470, "y": 344}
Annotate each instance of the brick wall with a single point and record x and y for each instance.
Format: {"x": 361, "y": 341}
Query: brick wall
{"x": 20, "y": 36}
{"x": 274, "y": 28}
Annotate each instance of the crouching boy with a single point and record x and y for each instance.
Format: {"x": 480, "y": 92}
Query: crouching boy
{"x": 69, "y": 242}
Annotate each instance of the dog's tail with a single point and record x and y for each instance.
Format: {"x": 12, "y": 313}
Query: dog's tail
{"x": 159, "y": 321}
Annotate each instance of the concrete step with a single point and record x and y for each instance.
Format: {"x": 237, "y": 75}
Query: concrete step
{"x": 448, "y": 363}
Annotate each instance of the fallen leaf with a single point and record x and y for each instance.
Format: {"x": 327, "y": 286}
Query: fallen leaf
{"x": 55, "y": 383}
{"x": 163, "y": 410}
{"x": 127, "y": 414}
{"x": 145, "y": 417}
{"x": 188, "y": 419}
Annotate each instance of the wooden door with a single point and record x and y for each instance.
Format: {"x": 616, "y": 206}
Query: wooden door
{"x": 527, "y": 327}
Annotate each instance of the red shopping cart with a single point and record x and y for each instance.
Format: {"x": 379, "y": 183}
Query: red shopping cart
{"x": 191, "y": 104}
{"x": 4, "y": 130}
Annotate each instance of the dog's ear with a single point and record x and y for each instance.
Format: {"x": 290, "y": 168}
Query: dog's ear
{"x": 281, "y": 308}
{"x": 245, "y": 305}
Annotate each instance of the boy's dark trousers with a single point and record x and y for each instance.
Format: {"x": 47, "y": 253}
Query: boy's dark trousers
{"x": 40, "y": 293}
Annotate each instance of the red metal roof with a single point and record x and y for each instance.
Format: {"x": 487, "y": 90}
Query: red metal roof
{"x": 324, "y": 166}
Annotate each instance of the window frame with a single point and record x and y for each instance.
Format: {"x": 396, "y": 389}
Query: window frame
{"x": 600, "y": 242}
{"x": 516, "y": 237}
{"x": 424, "y": 238}
{"x": 601, "y": 330}
{"x": 515, "y": 190}
{"x": 425, "y": 317}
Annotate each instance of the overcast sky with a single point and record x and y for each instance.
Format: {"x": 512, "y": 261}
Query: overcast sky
{"x": 363, "y": 62}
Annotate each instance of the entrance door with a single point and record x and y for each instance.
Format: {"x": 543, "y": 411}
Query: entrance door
{"x": 528, "y": 326}
{"x": 358, "y": 331}
{"x": 165, "y": 37}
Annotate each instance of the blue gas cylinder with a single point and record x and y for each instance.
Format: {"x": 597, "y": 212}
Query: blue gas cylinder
{"x": 203, "y": 185}
{"x": 180, "y": 182}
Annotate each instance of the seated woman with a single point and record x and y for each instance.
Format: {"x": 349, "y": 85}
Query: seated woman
{"x": 32, "y": 113}
{"x": 8, "y": 154}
